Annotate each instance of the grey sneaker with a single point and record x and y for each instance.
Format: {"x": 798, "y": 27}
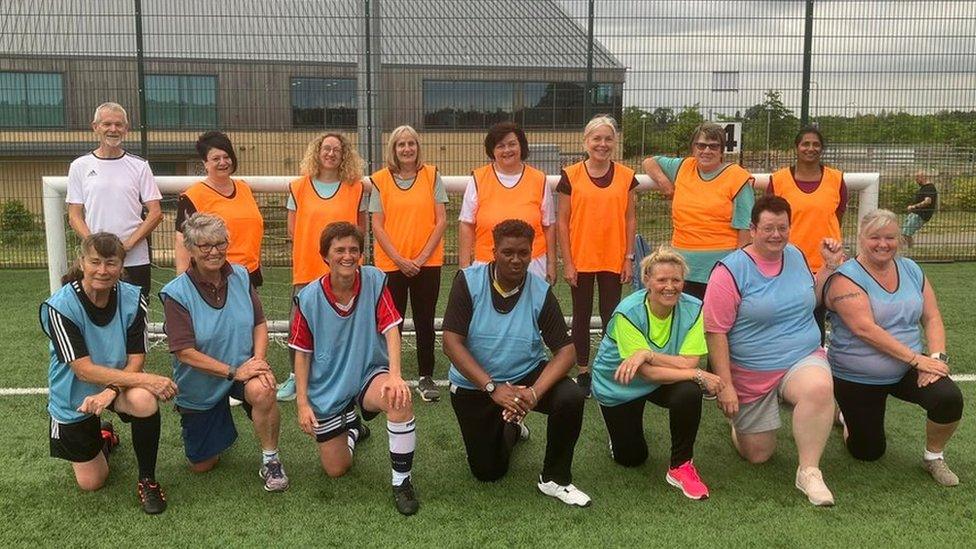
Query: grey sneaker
{"x": 940, "y": 472}
{"x": 427, "y": 389}
{"x": 275, "y": 479}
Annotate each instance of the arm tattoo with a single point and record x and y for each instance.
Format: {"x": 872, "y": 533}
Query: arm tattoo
{"x": 845, "y": 296}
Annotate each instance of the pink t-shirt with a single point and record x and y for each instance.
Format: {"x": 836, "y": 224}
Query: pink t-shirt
{"x": 719, "y": 313}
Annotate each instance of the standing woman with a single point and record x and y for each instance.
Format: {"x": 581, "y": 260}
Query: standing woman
{"x": 507, "y": 188}
{"x": 228, "y": 199}
{"x": 712, "y": 205}
{"x": 818, "y": 198}
{"x": 329, "y": 190}
{"x": 597, "y": 223}
{"x": 409, "y": 218}
{"x": 97, "y": 327}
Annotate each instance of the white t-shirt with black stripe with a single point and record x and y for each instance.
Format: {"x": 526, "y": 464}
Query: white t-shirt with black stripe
{"x": 113, "y": 191}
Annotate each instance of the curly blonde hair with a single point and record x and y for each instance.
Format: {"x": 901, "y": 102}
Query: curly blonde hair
{"x": 350, "y": 168}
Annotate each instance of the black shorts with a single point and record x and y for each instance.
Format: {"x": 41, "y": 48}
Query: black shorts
{"x": 207, "y": 433}
{"x": 140, "y": 275}
{"x": 80, "y": 441}
{"x": 336, "y": 425}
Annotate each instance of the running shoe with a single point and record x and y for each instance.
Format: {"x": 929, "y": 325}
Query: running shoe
{"x": 569, "y": 494}
{"x": 809, "y": 480}
{"x": 583, "y": 380}
{"x": 286, "y": 389}
{"x": 151, "y": 496}
{"x": 275, "y": 479}
{"x": 685, "y": 478}
{"x": 940, "y": 472}
{"x": 427, "y": 389}
{"x": 405, "y": 498}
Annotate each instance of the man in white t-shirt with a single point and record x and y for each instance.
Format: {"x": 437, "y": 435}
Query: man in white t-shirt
{"x": 107, "y": 190}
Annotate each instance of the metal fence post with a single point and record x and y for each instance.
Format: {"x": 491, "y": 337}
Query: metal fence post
{"x": 141, "y": 76}
{"x": 807, "y": 52}
{"x": 588, "y": 99}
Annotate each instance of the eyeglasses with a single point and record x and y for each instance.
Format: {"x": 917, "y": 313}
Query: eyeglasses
{"x": 207, "y": 248}
{"x": 332, "y": 150}
{"x": 699, "y": 146}
{"x": 769, "y": 230}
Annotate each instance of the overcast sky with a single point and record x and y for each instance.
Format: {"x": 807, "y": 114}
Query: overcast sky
{"x": 916, "y": 56}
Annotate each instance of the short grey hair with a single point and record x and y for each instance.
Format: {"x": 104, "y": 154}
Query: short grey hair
{"x": 203, "y": 226}
{"x": 875, "y": 220}
{"x": 598, "y": 122}
{"x": 110, "y": 106}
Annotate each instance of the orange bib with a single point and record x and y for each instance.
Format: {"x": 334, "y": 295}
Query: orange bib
{"x": 701, "y": 213}
{"x": 598, "y": 219}
{"x": 813, "y": 215}
{"x": 312, "y": 214}
{"x": 496, "y": 203}
{"x": 408, "y": 217}
{"x": 245, "y": 226}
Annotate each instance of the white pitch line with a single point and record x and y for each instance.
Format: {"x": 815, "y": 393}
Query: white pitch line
{"x": 18, "y": 391}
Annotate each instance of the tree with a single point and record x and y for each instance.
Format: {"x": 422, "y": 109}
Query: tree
{"x": 769, "y": 122}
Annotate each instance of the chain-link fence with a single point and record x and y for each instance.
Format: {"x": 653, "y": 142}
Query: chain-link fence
{"x": 889, "y": 83}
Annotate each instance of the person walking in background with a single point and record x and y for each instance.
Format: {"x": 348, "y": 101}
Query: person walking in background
{"x": 329, "y": 190}
{"x": 596, "y": 223}
{"x": 922, "y": 208}
{"x": 409, "y": 218}
{"x": 108, "y": 189}
{"x": 711, "y": 206}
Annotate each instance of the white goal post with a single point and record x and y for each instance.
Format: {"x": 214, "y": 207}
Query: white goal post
{"x": 55, "y": 189}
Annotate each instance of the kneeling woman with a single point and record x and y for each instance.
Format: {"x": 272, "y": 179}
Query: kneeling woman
{"x": 218, "y": 335}
{"x": 878, "y": 303}
{"x": 348, "y": 353}
{"x": 97, "y": 327}
{"x": 650, "y": 353}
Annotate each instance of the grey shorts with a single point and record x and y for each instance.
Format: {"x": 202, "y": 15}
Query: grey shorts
{"x": 762, "y": 415}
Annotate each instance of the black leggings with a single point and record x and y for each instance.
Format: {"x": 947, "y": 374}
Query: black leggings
{"x": 423, "y": 289}
{"x": 625, "y": 423}
{"x": 610, "y": 289}
{"x": 488, "y": 439}
{"x": 863, "y": 407}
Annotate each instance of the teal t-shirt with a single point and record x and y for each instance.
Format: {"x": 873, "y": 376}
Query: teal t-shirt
{"x": 700, "y": 262}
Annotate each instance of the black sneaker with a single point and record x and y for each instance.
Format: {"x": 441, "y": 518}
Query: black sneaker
{"x": 151, "y": 496}
{"x": 405, "y": 498}
{"x": 363, "y": 432}
{"x": 109, "y": 437}
{"x": 583, "y": 380}
{"x": 427, "y": 389}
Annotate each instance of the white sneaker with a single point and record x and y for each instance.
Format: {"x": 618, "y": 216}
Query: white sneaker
{"x": 233, "y": 401}
{"x": 523, "y": 431}
{"x": 570, "y": 495}
{"x": 809, "y": 480}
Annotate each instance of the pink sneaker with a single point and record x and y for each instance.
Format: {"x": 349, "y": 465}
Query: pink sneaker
{"x": 685, "y": 477}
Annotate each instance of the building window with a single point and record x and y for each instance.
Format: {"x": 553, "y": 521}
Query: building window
{"x": 181, "y": 101}
{"x": 462, "y": 104}
{"x": 562, "y": 105}
{"x": 323, "y": 102}
{"x": 608, "y": 98}
{"x": 31, "y": 99}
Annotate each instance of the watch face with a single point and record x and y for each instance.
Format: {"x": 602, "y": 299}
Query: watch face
{"x": 490, "y": 387}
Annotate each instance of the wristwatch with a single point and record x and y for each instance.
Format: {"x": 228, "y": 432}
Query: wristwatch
{"x": 231, "y": 373}
{"x": 490, "y": 387}
{"x": 940, "y": 356}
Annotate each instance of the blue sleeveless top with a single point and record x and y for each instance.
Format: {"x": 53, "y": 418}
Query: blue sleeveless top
{"x": 898, "y": 313}
{"x": 774, "y": 327}
{"x": 507, "y": 345}
{"x": 106, "y": 347}
{"x": 225, "y": 334}
{"x": 347, "y": 349}
{"x": 633, "y": 309}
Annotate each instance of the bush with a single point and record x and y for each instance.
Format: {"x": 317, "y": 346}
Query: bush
{"x": 960, "y": 195}
{"x": 897, "y": 196}
{"x": 16, "y": 221}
